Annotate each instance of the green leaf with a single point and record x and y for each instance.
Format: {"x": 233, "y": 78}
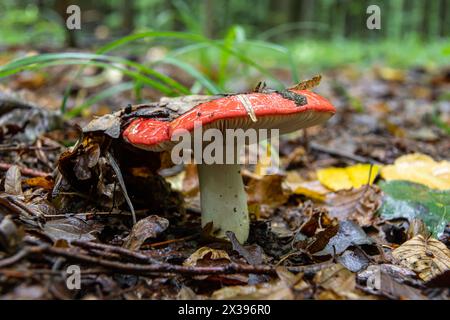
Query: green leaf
{"x": 403, "y": 199}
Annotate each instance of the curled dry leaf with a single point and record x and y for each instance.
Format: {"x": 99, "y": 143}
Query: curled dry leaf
{"x": 13, "y": 184}
{"x": 207, "y": 256}
{"x": 149, "y": 227}
{"x": 427, "y": 257}
{"x": 356, "y": 204}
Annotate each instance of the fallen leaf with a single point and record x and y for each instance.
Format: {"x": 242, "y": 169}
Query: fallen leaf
{"x": 10, "y": 235}
{"x": 353, "y": 260}
{"x": 427, "y": 257}
{"x": 349, "y": 177}
{"x": 13, "y": 184}
{"x": 322, "y": 238}
{"x": 349, "y": 234}
{"x": 253, "y": 254}
{"x": 318, "y": 219}
{"x": 70, "y": 229}
{"x": 311, "y": 189}
{"x": 392, "y": 289}
{"x": 403, "y": 199}
{"x": 307, "y": 84}
{"x": 149, "y": 227}
{"x": 207, "y": 256}
{"x": 419, "y": 168}
{"x": 267, "y": 291}
{"x": 46, "y": 183}
{"x": 359, "y": 204}
{"x": 267, "y": 190}
{"x": 390, "y": 74}
{"x": 339, "y": 280}
{"x": 108, "y": 124}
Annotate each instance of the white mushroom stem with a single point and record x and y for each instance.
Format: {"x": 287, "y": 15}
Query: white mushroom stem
{"x": 223, "y": 199}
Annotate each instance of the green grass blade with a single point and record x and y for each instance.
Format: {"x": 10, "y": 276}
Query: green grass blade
{"x": 204, "y": 80}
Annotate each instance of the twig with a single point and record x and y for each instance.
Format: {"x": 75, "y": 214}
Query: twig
{"x": 342, "y": 154}
{"x": 116, "y": 169}
{"x": 19, "y": 256}
{"x": 25, "y": 171}
{"x": 114, "y": 249}
{"x": 10, "y": 148}
{"x": 141, "y": 269}
{"x": 162, "y": 243}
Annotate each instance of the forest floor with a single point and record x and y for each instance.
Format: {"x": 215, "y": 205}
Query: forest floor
{"x": 378, "y": 230}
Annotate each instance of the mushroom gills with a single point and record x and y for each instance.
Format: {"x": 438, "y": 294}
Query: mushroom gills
{"x": 223, "y": 199}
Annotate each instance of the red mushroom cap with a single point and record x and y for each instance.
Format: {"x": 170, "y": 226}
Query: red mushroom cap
{"x": 272, "y": 110}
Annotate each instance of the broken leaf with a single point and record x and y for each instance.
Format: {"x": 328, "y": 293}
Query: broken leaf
{"x": 428, "y": 257}
{"x": 349, "y": 177}
{"x": 419, "y": 168}
{"x": 149, "y": 227}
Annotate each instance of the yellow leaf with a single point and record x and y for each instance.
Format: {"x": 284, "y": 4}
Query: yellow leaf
{"x": 427, "y": 257}
{"x": 311, "y": 189}
{"x": 346, "y": 178}
{"x": 419, "y": 168}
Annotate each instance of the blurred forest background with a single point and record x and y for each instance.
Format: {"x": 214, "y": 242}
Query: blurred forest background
{"x": 205, "y": 46}
{"x": 409, "y": 25}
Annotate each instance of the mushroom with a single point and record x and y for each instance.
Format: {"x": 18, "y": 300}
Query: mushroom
{"x": 222, "y": 194}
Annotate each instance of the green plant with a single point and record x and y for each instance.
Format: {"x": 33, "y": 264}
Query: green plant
{"x": 234, "y": 46}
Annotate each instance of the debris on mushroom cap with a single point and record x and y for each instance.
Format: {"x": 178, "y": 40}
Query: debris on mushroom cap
{"x": 288, "y": 110}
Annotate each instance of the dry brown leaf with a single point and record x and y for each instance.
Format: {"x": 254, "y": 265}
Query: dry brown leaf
{"x": 267, "y": 190}
{"x": 149, "y": 227}
{"x": 355, "y": 204}
{"x": 278, "y": 290}
{"x": 46, "y": 183}
{"x": 307, "y": 84}
{"x": 207, "y": 256}
{"x": 71, "y": 229}
{"x": 13, "y": 184}
{"x": 427, "y": 257}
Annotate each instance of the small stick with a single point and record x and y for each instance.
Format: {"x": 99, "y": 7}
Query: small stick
{"x": 25, "y": 171}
